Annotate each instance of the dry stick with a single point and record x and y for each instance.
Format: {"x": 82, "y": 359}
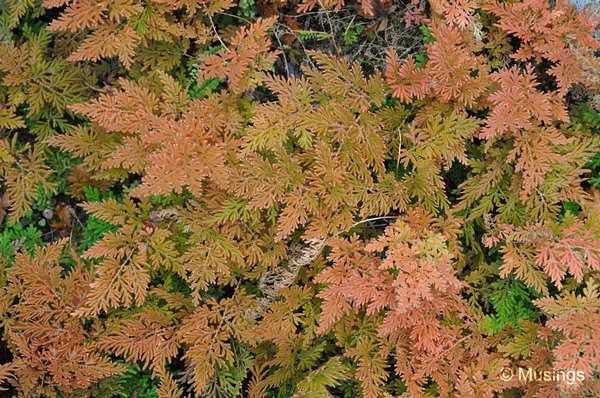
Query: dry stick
{"x": 285, "y": 61}
{"x": 214, "y": 28}
{"x": 349, "y": 25}
{"x": 289, "y": 30}
{"x": 371, "y": 219}
{"x": 337, "y": 50}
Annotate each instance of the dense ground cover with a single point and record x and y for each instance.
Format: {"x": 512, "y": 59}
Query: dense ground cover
{"x": 278, "y": 198}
